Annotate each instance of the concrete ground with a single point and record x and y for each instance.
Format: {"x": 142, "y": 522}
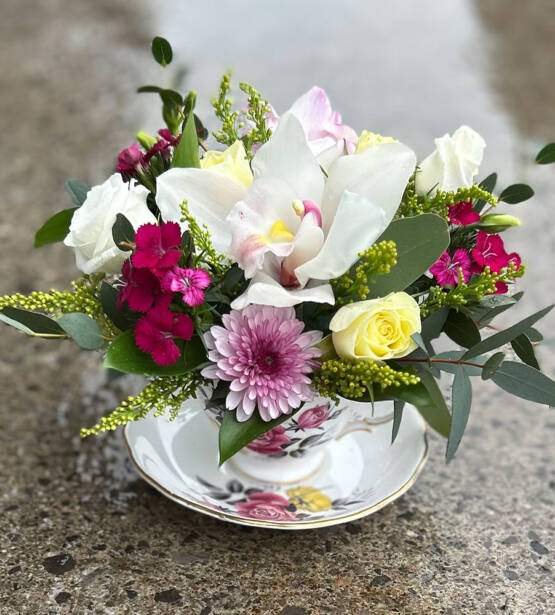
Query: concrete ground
{"x": 79, "y": 531}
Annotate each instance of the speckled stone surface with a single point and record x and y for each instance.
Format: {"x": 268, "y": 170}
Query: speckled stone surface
{"x": 79, "y": 532}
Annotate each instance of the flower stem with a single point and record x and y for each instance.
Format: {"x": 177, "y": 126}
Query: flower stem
{"x": 455, "y": 361}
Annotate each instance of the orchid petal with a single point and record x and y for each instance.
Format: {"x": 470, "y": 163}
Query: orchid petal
{"x": 357, "y": 224}
{"x": 380, "y": 174}
{"x": 287, "y": 156}
{"x": 210, "y": 197}
{"x": 265, "y": 290}
{"x": 308, "y": 242}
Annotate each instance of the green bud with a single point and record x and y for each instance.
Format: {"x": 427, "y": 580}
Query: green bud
{"x": 146, "y": 140}
{"x": 496, "y": 223}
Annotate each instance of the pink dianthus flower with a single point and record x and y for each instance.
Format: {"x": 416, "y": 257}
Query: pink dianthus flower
{"x": 157, "y": 247}
{"x": 189, "y": 282}
{"x": 446, "y": 269}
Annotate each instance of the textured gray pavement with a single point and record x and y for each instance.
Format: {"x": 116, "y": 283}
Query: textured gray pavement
{"x": 79, "y": 532}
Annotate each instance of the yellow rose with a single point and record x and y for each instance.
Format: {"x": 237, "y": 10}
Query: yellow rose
{"x": 371, "y": 139}
{"x": 308, "y": 498}
{"x": 232, "y": 162}
{"x": 378, "y": 329}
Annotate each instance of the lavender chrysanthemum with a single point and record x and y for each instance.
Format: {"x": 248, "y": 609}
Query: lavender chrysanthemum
{"x": 265, "y": 356}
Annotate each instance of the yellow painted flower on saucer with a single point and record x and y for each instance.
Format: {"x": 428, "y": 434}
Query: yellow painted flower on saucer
{"x": 308, "y": 498}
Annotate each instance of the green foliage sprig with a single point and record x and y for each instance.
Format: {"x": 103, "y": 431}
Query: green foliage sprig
{"x": 256, "y": 113}
{"x": 160, "y": 395}
{"x": 473, "y": 292}
{"x": 353, "y": 285}
{"x": 352, "y": 379}
{"x": 223, "y": 108}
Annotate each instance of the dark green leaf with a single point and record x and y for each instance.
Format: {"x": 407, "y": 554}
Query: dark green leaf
{"x": 493, "y": 305}
{"x": 77, "y": 191}
{"x": 420, "y": 241}
{"x": 534, "y": 335}
{"x": 516, "y": 193}
{"x": 215, "y": 295}
{"x": 171, "y": 98}
{"x": 525, "y": 382}
{"x": 233, "y": 276}
{"x": 123, "y": 233}
{"x": 83, "y": 329}
{"x": 432, "y": 325}
{"x": 161, "y": 50}
{"x": 492, "y": 365}
{"x": 418, "y": 339}
{"x": 55, "y": 228}
{"x": 123, "y": 318}
{"x": 235, "y": 435}
{"x": 124, "y": 355}
{"x": 186, "y": 154}
{"x": 524, "y": 350}
{"x": 189, "y": 102}
{"x": 398, "y": 405}
{"x": 505, "y": 336}
{"x": 30, "y": 322}
{"x": 461, "y": 329}
{"x": 149, "y": 89}
{"x": 461, "y": 402}
{"x": 437, "y": 415}
{"x": 546, "y": 155}
{"x": 456, "y": 355}
{"x": 486, "y": 184}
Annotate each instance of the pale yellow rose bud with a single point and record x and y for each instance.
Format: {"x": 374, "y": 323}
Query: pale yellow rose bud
{"x": 377, "y": 329}
{"x": 232, "y": 163}
{"x": 371, "y": 139}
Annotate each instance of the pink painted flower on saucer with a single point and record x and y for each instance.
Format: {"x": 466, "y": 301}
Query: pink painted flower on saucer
{"x": 266, "y": 506}
{"x": 155, "y": 333}
{"x": 446, "y": 269}
{"x": 313, "y": 417}
{"x": 266, "y": 358}
{"x": 157, "y": 247}
{"x": 270, "y": 443}
{"x": 462, "y": 214}
{"x": 189, "y": 282}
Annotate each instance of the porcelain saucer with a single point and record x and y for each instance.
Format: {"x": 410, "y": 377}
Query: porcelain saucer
{"x": 361, "y": 473}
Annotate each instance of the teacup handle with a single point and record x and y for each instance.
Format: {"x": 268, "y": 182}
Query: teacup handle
{"x": 367, "y": 422}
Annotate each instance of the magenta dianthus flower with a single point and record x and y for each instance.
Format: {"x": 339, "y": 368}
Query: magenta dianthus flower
{"x": 462, "y": 214}
{"x": 129, "y": 161}
{"x": 446, "y": 269}
{"x": 189, "y": 282}
{"x": 140, "y": 288}
{"x": 266, "y": 358}
{"x": 157, "y": 247}
{"x": 155, "y": 333}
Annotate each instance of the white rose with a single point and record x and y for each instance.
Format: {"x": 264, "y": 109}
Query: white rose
{"x": 90, "y": 232}
{"x": 453, "y": 164}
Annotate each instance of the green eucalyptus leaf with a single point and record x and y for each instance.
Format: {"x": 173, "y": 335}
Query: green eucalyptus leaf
{"x": 30, "y": 322}
{"x": 82, "y": 329}
{"x": 77, "y": 191}
{"x": 507, "y": 335}
{"x": 149, "y": 89}
{"x": 398, "y": 406}
{"x": 55, "y": 228}
{"x": 492, "y": 364}
{"x": 161, "y": 51}
{"x": 461, "y": 329}
{"x": 437, "y": 414}
{"x": 456, "y": 355}
{"x": 534, "y": 335}
{"x": 186, "y": 154}
{"x": 547, "y": 154}
{"x": 432, "y": 325}
{"x": 493, "y": 305}
{"x": 125, "y": 356}
{"x": 171, "y": 98}
{"x": 327, "y": 348}
{"x": 122, "y": 317}
{"x": 235, "y": 435}
{"x": 524, "y": 350}
{"x": 461, "y": 402}
{"x": 516, "y": 193}
{"x": 525, "y": 382}
{"x": 123, "y": 233}
{"x": 420, "y": 241}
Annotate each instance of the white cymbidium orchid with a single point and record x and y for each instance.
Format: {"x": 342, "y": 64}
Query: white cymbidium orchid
{"x": 294, "y": 229}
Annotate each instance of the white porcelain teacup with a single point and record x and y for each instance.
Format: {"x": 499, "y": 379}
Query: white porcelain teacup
{"x": 295, "y": 449}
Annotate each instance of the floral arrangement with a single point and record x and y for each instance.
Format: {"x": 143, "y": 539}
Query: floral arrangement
{"x": 297, "y": 259}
